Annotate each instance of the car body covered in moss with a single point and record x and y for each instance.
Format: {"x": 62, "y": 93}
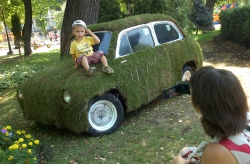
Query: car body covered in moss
{"x": 147, "y": 52}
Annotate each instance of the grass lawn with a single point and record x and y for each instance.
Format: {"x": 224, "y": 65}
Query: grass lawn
{"x": 152, "y": 134}
{"x": 205, "y": 37}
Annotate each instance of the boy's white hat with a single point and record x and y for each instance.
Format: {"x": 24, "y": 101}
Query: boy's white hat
{"x": 80, "y": 22}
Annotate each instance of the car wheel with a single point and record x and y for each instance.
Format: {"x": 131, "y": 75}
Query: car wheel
{"x": 186, "y": 73}
{"x": 105, "y": 115}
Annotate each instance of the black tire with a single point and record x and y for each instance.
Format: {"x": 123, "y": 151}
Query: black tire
{"x": 105, "y": 115}
{"x": 186, "y": 73}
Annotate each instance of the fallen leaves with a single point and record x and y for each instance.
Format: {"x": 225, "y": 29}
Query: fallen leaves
{"x": 73, "y": 162}
{"x": 101, "y": 159}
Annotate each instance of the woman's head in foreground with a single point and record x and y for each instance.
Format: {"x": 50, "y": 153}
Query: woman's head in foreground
{"x": 217, "y": 94}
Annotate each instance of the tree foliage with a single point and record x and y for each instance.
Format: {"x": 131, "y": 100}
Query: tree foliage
{"x": 40, "y": 12}
{"x": 16, "y": 29}
{"x": 178, "y": 9}
{"x": 88, "y": 10}
{"x": 58, "y": 16}
{"x": 106, "y": 8}
{"x": 135, "y": 7}
{"x": 13, "y": 6}
{"x": 27, "y": 10}
{"x": 200, "y": 16}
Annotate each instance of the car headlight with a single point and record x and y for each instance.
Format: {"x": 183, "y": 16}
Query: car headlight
{"x": 19, "y": 94}
{"x": 66, "y": 96}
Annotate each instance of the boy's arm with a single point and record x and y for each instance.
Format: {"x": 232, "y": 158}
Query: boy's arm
{"x": 72, "y": 52}
{"x": 73, "y": 58}
{"x": 96, "y": 39}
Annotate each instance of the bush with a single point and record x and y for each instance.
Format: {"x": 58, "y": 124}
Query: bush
{"x": 11, "y": 77}
{"x": 235, "y": 25}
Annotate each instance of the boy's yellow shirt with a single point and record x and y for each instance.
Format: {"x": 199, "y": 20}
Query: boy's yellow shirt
{"x": 82, "y": 47}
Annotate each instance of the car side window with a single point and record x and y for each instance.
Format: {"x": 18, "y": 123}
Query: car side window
{"x": 165, "y": 33}
{"x": 105, "y": 37}
{"x": 135, "y": 40}
{"x": 124, "y": 46}
{"x": 140, "y": 39}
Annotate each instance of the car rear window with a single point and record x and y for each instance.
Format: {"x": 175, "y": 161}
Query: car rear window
{"x": 165, "y": 33}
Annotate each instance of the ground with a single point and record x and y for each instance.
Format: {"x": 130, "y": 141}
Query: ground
{"x": 231, "y": 56}
{"x": 219, "y": 50}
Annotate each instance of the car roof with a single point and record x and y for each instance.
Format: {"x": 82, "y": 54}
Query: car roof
{"x": 121, "y": 24}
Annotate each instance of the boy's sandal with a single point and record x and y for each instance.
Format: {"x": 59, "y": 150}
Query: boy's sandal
{"x": 91, "y": 71}
{"x": 107, "y": 69}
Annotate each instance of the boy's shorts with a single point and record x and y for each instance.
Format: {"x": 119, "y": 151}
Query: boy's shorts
{"x": 94, "y": 58}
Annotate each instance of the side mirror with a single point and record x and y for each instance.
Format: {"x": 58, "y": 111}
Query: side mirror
{"x": 182, "y": 87}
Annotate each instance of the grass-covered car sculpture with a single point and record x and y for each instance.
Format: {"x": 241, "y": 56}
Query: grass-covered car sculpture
{"x": 147, "y": 52}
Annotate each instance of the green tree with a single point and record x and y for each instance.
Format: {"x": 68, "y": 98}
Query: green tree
{"x": 106, "y": 8}
{"x": 58, "y": 16}
{"x": 16, "y": 29}
{"x": 200, "y": 16}
{"x": 149, "y": 6}
{"x": 42, "y": 22}
{"x": 41, "y": 12}
{"x": 26, "y": 13}
{"x": 135, "y": 7}
{"x": 178, "y": 9}
{"x": 13, "y": 6}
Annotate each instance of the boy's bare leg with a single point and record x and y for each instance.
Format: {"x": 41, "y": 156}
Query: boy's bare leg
{"x": 104, "y": 60}
{"x": 85, "y": 63}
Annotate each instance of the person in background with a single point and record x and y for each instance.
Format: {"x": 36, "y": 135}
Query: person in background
{"x": 82, "y": 51}
{"x": 217, "y": 95}
{"x": 50, "y": 36}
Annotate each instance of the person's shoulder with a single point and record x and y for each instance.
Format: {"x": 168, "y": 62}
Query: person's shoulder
{"x": 216, "y": 153}
{"x": 73, "y": 43}
{"x": 88, "y": 37}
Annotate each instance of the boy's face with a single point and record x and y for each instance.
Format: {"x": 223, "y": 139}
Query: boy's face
{"x": 79, "y": 32}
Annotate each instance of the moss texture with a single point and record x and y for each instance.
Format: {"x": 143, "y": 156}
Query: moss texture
{"x": 138, "y": 81}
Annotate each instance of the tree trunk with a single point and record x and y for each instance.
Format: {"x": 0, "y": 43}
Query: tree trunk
{"x": 26, "y": 32}
{"x": 87, "y": 10}
{"x": 210, "y": 6}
